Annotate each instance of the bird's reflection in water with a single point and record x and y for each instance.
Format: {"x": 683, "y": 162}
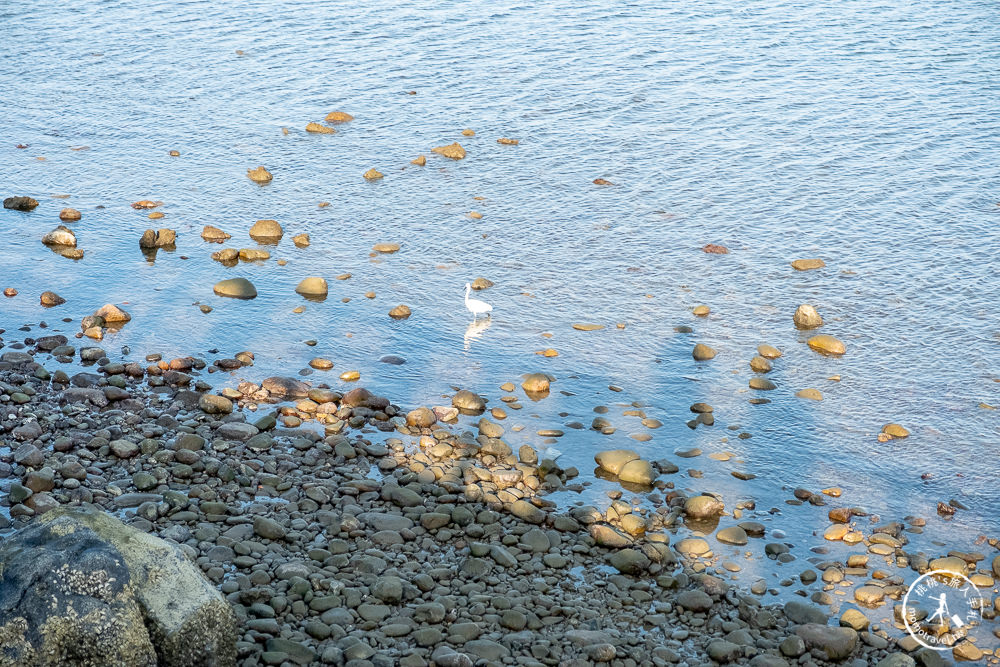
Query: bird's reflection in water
{"x": 475, "y": 330}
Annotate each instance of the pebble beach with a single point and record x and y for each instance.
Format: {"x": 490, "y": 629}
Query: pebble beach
{"x": 722, "y": 388}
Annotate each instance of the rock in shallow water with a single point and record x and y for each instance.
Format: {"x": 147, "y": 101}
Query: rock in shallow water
{"x": 266, "y": 231}
{"x": 160, "y": 238}
{"x": 214, "y": 234}
{"x": 49, "y": 299}
{"x": 259, "y": 175}
{"x": 826, "y": 344}
{"x": 20, "y": 203}
{"x": 806, "y": 317}
{"x": 702, "y": 352}
{"x": 400, "y": 312}
{"x": 808, "y": 264}
{"x": 60, "y": 236}
{"x": 238, "y": 288}
{"x": 453, "y": 151}
{"x": 313, "y": 286}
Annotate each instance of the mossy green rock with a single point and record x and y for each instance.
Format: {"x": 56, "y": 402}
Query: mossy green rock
{"x": 80, "y": 587}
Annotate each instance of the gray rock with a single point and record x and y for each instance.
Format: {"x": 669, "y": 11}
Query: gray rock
{"x": 724, "y": 652}
{"x": 802, "y": 612}
{"x": 215, "y": 405}
{"x": 695, "y": 600}
{"x": 836, "y": 643}
{"x": 268, "y": 528}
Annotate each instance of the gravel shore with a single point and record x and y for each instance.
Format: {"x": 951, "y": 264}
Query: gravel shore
{"x": 373, "y": 536}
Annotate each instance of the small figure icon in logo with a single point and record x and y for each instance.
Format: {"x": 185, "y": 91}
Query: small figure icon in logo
{"x": 957, "y": 607}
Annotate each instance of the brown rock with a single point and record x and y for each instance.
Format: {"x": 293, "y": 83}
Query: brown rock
{"x": 536, "y": 383}
{"x": 702, "y": 352}
{"x": 808, "y": 264}
{"x": 70, "y": 215}
{"x": 111, "y": 314}
{"x": 316, "y": 128}
{"x": 49, "y": 299}
{"x": 259, "y": 175}
{"x": 453, "y": 151}
{"x": 338, "y": 117}
{"x": 214, "y": 234}
{"x": 400, "y": 312}
{"x": 895, "y": 431}
{"x": 420, "y": 161}
{"x": 373, "y": 174}
{"x": 714, "y": 249}
{"x": 266, "y": 230}
{"x": 507, "y": 142}
{"x": 825, "y": 344}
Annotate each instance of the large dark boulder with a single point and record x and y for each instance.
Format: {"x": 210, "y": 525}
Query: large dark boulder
{"x": 80, "y": 587}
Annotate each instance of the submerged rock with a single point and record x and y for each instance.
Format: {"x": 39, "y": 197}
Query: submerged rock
{"x": 808, "y": 264}
{"x": 895, "y": 431}
{"x": 714, "y": 249}
{"x": 338, "y": 117}
{"x": 613, "y": 460}
{"x": 386, "y": 248}
{"x": 70, "y": 215}
{"x": 238, "y": 288}
{"x": 826, "y": 344}
{"x": 316, "y": 128}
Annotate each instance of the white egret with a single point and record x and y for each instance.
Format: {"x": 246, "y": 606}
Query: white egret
{"x": 475, "y": 306}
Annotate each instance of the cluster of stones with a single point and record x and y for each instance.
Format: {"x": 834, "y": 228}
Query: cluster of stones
{"x": 449, "y": 554}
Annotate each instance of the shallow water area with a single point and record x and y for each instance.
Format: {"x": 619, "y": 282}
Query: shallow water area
{"x": 864, "y": 135}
